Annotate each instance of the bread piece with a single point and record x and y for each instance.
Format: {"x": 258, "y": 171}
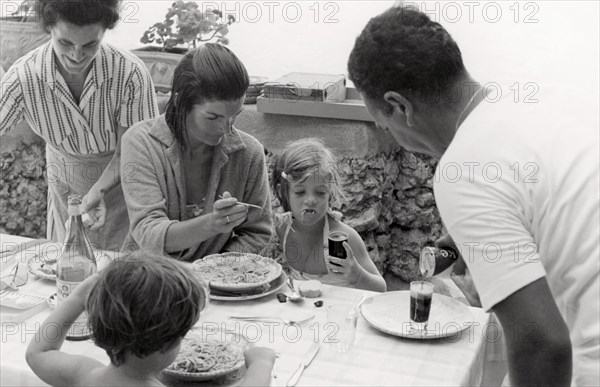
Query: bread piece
{"x": 310, "y": 289}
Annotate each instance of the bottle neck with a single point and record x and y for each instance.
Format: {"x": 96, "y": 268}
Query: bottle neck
{"x": 74, "y": 210}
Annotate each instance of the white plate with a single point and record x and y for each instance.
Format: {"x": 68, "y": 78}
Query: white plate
{"x": 389, "y": 312}
{"x": 208, "y": 266}
{"x": 204, "y": 335}
{"x": 273, "y": 287}
{"x": 34, "y": 264}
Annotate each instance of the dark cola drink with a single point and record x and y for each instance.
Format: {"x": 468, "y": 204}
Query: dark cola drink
{"x": 336, "y": 240}
{"x": 421, "y": 294}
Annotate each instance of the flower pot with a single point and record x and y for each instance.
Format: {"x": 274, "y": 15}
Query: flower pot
{"x": 18, "y": 38}
{"x": 160, "y": 64}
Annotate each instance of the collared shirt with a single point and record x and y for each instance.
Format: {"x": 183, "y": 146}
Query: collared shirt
{"x": 118, "y": 91}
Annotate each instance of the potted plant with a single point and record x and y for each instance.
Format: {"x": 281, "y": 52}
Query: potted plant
{"x": 20, "y": 33}
{"x": 184, "y": 27}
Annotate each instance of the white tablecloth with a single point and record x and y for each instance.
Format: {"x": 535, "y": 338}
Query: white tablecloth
{"x": 377, "y": 359}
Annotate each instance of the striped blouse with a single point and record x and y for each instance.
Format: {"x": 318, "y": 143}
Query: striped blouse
{"x": 118, "y": 91}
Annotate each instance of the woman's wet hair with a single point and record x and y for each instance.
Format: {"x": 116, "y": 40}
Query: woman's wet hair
{"x": 211, "y": 72}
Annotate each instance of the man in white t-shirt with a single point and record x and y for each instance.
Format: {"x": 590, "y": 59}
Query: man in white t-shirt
{"x": 516, "y": 186}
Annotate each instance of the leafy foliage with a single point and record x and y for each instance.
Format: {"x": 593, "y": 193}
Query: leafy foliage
{"x": 185, "y": 24}
{"x": 27, "y": 10}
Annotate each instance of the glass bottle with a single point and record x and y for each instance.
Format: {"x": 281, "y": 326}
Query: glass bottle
{"x": 434, "y": 260}
{"x": 75, "y": 263}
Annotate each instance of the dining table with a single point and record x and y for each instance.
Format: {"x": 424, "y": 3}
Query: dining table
{"x": 376, "y": 358}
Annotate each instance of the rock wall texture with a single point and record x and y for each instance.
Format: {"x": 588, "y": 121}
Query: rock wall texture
{"x": 390, "y": 203}
{"x": 23, "y": 190}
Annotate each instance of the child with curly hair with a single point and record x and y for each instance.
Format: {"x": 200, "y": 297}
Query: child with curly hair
{"x": 139, "y": 309}
{"x": 307, "y": 183}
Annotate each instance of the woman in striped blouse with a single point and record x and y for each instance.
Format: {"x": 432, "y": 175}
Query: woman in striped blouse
{"x": 80, "y": 95}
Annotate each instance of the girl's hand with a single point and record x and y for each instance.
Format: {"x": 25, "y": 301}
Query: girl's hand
{"x": 227, "y": 215}
{"x": 348, "y": 268}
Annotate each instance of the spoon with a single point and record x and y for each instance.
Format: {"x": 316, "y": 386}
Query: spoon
{"x": 294, "y": 297}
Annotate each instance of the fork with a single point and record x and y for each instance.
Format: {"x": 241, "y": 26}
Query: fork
{"x": 245, "y": 204}
{"x": 272, "y": 319}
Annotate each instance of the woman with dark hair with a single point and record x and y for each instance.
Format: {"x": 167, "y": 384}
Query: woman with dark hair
{"x": 80, "y": 95}
{"x": 184, "y": 172}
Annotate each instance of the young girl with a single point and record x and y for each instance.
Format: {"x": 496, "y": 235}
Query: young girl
{"x": 139, "y": 309}
{"x": 306, "y": 182}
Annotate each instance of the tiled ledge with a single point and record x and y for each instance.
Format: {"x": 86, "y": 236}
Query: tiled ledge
{"x": 346, "y": 138}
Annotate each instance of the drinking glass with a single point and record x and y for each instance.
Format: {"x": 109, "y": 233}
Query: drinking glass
{"x": 342, "y": 318}
{"x": 421, "y": 293}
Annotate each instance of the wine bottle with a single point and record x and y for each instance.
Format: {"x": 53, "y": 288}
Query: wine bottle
{"x": 75, "y": 263}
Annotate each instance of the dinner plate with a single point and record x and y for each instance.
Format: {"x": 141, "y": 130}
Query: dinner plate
{"x": 210, "y": 268}
{"x": 34, "y": 264}
{"x": 270, "y": 288}
{"x": 389, "y": 313}
{"x": 235, "y": 341}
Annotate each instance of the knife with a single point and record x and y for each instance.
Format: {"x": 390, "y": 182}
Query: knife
{"x": 308, "y": 358}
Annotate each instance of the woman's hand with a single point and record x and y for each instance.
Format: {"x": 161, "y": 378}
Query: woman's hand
{"x": 348, "y": 268}
{"x": 227, "y": 214}
{"x": 93, "y": 204}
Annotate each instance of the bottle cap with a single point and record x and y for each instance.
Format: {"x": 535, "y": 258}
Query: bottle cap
{"x": 74, "y": 209}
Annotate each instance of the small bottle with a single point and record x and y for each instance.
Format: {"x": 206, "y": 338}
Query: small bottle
{"x": 75, "y": 263}
{"x": 430, "y": 255}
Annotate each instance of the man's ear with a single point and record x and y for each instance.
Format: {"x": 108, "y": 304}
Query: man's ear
{"x": 400, "y": 106}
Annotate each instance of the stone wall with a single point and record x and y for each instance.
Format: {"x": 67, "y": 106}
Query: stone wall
{"x": 23, "y": 190}
{"x": 390, "y": 195}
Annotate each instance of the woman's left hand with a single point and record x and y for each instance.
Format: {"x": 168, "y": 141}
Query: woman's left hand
{"x": 93, "y": 204}
{"x": 348, "y": 268}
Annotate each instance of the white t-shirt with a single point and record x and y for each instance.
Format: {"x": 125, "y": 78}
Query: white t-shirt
{"x": 518, "y": 191}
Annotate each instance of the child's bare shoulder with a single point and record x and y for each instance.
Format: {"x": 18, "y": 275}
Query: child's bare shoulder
{"x": 106, "y": 376}
{"x": 96, "y": 376}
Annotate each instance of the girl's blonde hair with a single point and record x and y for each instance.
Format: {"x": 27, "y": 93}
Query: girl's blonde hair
{"x": 301, "y": 159}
